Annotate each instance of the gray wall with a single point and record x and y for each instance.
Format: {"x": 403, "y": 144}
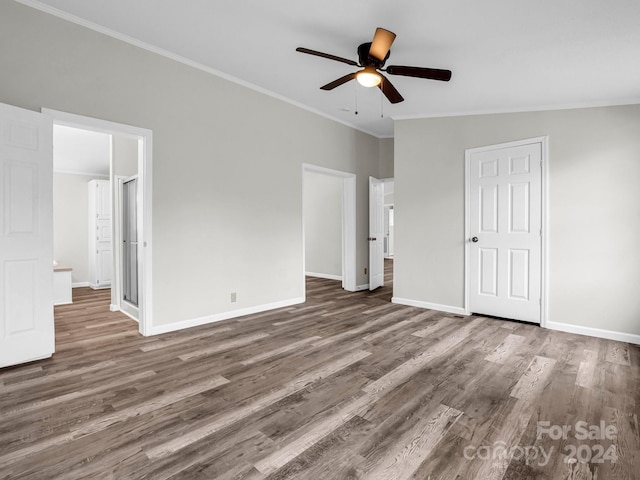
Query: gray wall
{"x": 594, "y": 207}
{"x": 71, "y": 222}
{"x": 124, "y": 151}
{"x": 323, "y": 224}
{"x": 222, "y": 220}
{"x": 385, "y": 157}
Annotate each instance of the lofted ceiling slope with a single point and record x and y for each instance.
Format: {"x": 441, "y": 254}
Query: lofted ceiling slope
{"x": 506, "y": 55}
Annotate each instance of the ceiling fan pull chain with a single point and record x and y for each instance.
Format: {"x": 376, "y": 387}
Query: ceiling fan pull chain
{"x": 381, "y": 104}
{"x": 356, "y": 98}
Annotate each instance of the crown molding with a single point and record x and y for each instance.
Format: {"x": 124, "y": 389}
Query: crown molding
{"x": 185, "y": 61}
{"x": 542, "y": 108}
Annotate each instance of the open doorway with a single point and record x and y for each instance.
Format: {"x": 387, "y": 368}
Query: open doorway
{"x": 381, "y": 236}
{"x": 128, "y": 194}
{"x": 82, "y": 243}
{"x": 329, "y": 217}
{"x": 323, "y": 225}
{"x": 376, "y": 233}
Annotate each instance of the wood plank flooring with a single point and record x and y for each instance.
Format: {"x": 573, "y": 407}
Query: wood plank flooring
{"x": 346, "y": 385}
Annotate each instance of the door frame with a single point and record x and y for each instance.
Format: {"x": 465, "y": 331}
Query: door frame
{"x": 145, "y": 162}
{"x": 348, "y": 225}
{"x": 117, "y": 300}
{"x": 544, "y": 237}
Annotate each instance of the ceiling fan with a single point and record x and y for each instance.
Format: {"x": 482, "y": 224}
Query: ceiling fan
{"x": 372, "y": 57}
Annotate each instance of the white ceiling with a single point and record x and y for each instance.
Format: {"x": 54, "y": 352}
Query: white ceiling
{"x": 506, "y": 55}
{"x": 81, "y": 151}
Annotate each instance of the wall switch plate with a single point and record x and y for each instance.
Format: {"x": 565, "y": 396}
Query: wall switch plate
{"x": 365, "y": 270}
{"x": 233, "y": 297}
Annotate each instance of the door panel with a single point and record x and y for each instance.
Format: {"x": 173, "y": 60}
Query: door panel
{"x": 519, "y": 274}
{"x": 520, "y": 165}
{"x": 488, "y": 167}
{"x": 20, "y": 279}
{"x": 505, "y": 222}
{"x": 489, "y": 208}
{"x": 489, "y": 271}
{"x": 26, "y": 236}
{"x": 519, "y": 208}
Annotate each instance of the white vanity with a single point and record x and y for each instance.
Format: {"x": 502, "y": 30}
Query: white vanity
{"x": 61, "y": 284}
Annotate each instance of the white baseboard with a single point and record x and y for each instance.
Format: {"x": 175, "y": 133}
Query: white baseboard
{"x": 360, "y": 288}
{"x": 98, "y": 287}
{"x": 430, "y": 306}
{"x": 324, "y": 275}
{"x": 114, "y": 308}
{"x": 594, "y": 332}
{"x": 172, "y": 327}
{"x": 79, "y": 284}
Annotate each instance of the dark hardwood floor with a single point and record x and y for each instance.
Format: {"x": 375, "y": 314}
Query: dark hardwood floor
{"x": 346, "y": 385}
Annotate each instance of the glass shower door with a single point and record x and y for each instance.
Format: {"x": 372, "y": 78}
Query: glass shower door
{"x": 130, "y": 241}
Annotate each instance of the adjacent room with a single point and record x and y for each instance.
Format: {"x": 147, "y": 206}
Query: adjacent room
{"x": 319, "y": 241}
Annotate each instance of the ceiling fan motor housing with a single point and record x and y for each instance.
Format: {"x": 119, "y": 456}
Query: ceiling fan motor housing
{"x": 367, "y": 60}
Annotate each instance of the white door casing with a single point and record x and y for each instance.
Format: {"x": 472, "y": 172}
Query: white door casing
{"x": 376, "y": 233}
{"x": 145, "y": 194}
{"x": 26, "y": 236}
{"x": 348, "y": 225}
{"x": 504, "y": 268}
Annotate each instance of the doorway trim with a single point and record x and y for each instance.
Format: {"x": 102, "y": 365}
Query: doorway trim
{"x": 544, "y": 237}
{"x": 348, "y": 225}
{"x": 117, "y": 300}
{"x": 145, "y": 162}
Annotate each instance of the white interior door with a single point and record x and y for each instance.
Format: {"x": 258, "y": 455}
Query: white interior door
{"x": 376, "y": 233}
{"x": 26, "y": 236}
{"x": 505, "y": 208}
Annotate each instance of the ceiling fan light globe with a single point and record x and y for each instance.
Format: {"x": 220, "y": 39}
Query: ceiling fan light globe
{"x": 368, "y": 78}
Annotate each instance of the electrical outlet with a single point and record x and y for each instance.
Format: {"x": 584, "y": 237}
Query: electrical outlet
{"x": 365, "y": 270}
{"x": 233, "y": 297}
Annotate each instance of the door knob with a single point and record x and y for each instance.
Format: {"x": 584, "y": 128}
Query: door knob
{"x": 474, "y": 239}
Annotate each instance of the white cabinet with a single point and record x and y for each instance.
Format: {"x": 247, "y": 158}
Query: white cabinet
{"x": 100, "y": 234}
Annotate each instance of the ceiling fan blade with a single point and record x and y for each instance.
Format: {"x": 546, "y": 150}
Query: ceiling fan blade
{"x": 390, "y": 91}
{"x": 381, "y": 43}
{"x": 338, "y": 82}
{"x": 326, "y": 55}
{"x": 430, "y": 73}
